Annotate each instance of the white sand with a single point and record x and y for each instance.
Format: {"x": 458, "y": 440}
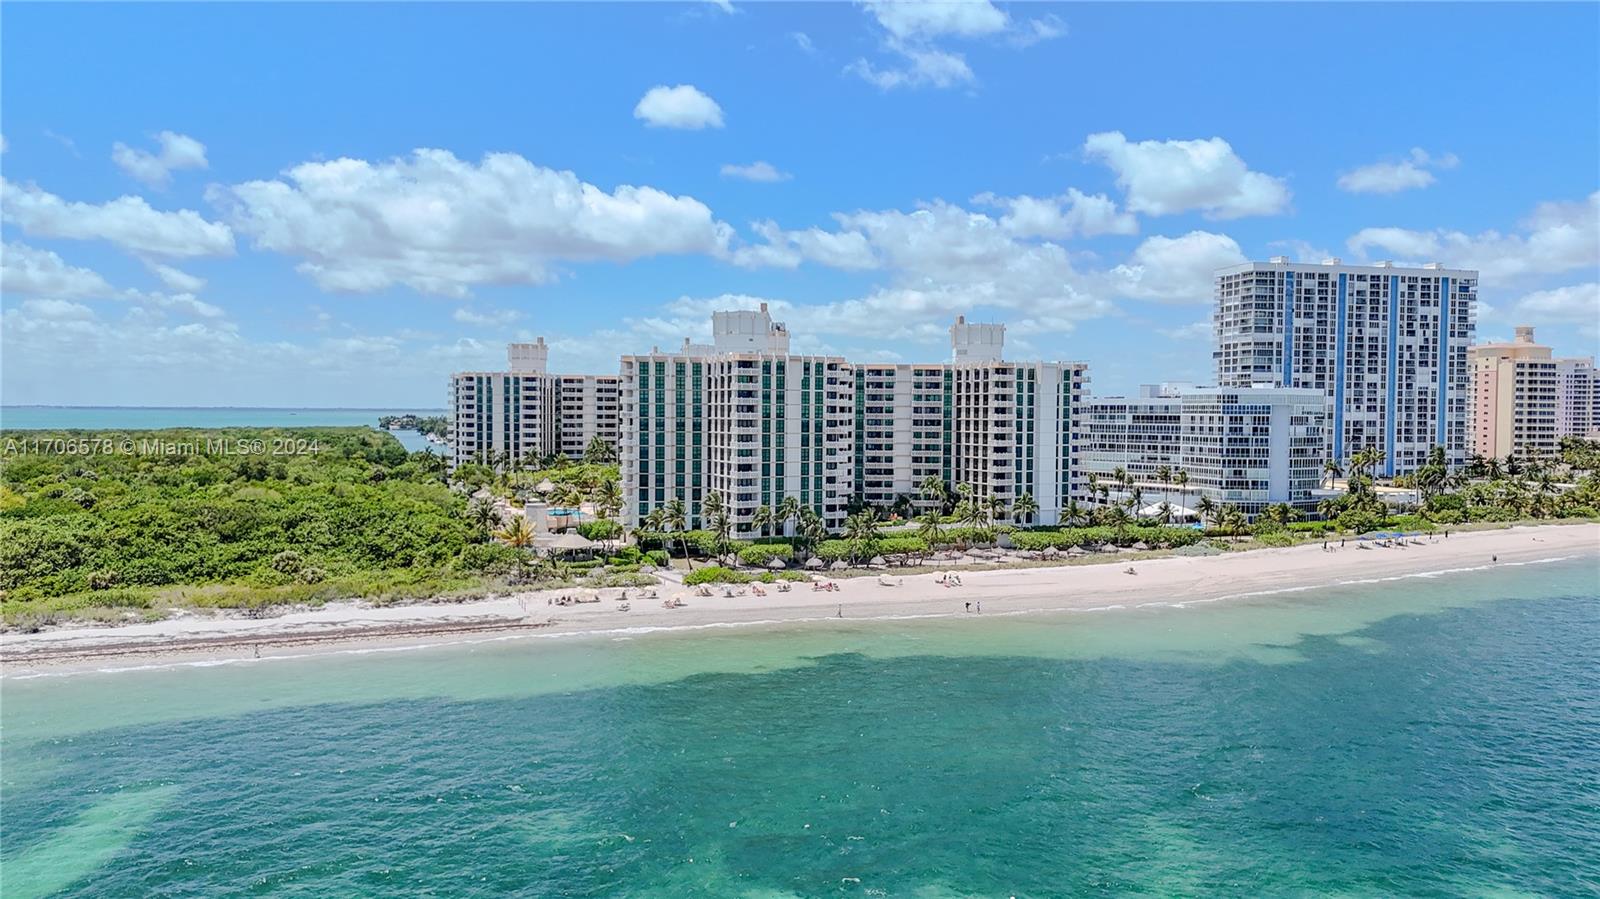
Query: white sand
{"x": 1095, "y": 583}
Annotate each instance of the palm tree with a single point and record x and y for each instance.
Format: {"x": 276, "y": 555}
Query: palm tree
{"x": 810, "y": 529}
{"x": 715, "y": 514}
{"x": 1333, "y": 470}
{"x": 861, "y": 530}
{"x": 1116, "y": 517}
{"x": 1181, "y": 479}
{"x": 763, "y": 519}
{"x": 517, "y": 533}
{"x": 996, "y": 508}
{"x": 1206, "y": 508}
{"x": 932, "y": 490}
{"x": 1164, "y": 477}
{"x": 675, "y": 518}
{"x": 483, "y": 516}
{"x": 928, "y": 528}
{"x": 1231, "y": 519}
{"x": 1025, "y": 508}
{"x": 600, "y": 451}
{"x": 789, "y": 509}
{"x": 608, "y": 499}
{"x": 1072, "y": 512}
{"x": 1164, "y": 512}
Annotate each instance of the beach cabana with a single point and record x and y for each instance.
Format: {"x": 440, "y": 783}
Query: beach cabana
{"x": 1179, "y": 513}
{"x": 572, "y": 542}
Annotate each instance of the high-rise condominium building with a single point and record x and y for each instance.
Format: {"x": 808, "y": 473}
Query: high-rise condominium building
{"x": 1003, "y": 428}
{"x": 1515, "y": 395}
{"x": 1249, "y": 447}
{"x": 741, "y": 416}
{"x": 527, "y": 413}
{"x": 1578, "y": 399}
{"x": 746, "y": 418}
{"x": 1386, "y": 345}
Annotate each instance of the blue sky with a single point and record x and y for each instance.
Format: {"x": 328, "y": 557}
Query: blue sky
{"x": 251, "y": 204}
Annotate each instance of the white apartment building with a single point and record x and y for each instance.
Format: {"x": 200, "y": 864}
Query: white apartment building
{"x": 741, "y": 416}
{"x": 1386, "y": 345}
{"x": 1249, "y": 447}
{"x": 586, "y": 407}
{"x": 1003, "y": 428}
{"x": 745, "y": 417}
{"x": 1577, "y": 399}
{"x": 1515, "y": 394}
{"x": 527, "y": 413}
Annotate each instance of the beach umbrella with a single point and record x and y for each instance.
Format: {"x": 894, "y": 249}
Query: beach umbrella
{"x": 1051, "y": 552}
{"x": 839, "y": 565}
{"x": 878, "y": 560}
{"x": 813, "y": 562}
{"x": 1077, "y": 551}
{"x": 1107, "y": 548}
{"x": 545, "y": 486}
{"x": 571, "y": 541}
{"x": 775, "y": 564}
{"x": 1141, "y": 545}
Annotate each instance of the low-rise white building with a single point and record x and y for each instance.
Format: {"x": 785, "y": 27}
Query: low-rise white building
{"x": 1249, "y": 447}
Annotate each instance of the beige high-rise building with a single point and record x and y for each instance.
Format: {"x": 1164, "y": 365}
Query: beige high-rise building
{"x": 527, "y": 413}
{"x": 1514, "y": 398}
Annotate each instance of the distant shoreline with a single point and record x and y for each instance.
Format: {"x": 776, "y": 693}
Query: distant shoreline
{"x": 390, "y": 409}
{"x": 1088, "y": 587}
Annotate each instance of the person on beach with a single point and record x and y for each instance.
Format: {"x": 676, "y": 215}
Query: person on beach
{"x": 841, "y": 610}
{"x": 969, "y": 607}
{"x": 1494, "y": 559}
{"x": 980, "y": 608}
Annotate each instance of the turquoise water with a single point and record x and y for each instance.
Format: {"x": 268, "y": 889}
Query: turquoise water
{"x": 1435, "y": 736}
{"x": 141, "y": 418}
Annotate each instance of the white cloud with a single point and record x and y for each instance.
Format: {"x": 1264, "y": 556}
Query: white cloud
{"x": 441, "y": 225}
{"x": 787, "y": 249}
{"x": 921, "y": 67}
{"x": 1073, "y": 214}
{"x": 177, "y": 279}
{"x": 128, "y": 222}
{"x": 923, "y": 21}
{"x": 1575, "y": 306}
{"x": 1392, "y": 177}
{"x": 1168, "y": 177}
{"x": 1176, "y": 269}
{"x": 683, "y": 107}
{"x": 28, "y": 271}
{"x": 489, "y": 318}
{"x": 755, "y": 171}
{"x": 178, "y": 151}
{"x": 1556, "y": 237}
{"x": 914, "y": 31}
{"x": 724, "y": 5}
{"x": 803, "y": 41}
{"x": 1191, "y": 331}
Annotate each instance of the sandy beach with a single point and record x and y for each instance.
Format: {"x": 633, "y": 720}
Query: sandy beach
{"x": 1101, "y": 583}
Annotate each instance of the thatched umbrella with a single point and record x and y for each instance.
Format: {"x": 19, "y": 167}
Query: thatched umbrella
{"x": 1077, "y": 551}
{"x": 839, "y": 565}
{"x": 1141, "y": 546}
{"x": 545, "y": 486}
{"x": 878, "y": 560}
{"x": 814, "y": 562}
{"x": 572, "y": 542}
{"x": 776, "y": 564}
{"x": 1051, "y": 552}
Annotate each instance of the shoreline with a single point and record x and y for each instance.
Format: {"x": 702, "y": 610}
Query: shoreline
{"x": 1172, "y": 581}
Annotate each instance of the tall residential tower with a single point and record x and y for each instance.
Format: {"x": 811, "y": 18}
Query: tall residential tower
{"x": 1386, "y": 345}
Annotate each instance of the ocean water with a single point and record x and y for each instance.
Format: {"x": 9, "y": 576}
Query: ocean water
{"x": 146, "y": 417}
{"x": 1426, "y": 736}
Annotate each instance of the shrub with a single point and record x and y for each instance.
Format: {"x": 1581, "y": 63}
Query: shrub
{"x": 489, "y": 558}
{"x": 287, "y": 562}
{"x": 311, "y": 574}
{"x": 715, "y": 574}
{"x": 658, "y": 558}
{"x": 600, "y": 529}
{"x": 627, "y": 555}
{"x": 759, "y": 554}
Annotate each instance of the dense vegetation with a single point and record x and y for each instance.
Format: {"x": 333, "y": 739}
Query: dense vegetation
{"x": 280, "y": 514}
